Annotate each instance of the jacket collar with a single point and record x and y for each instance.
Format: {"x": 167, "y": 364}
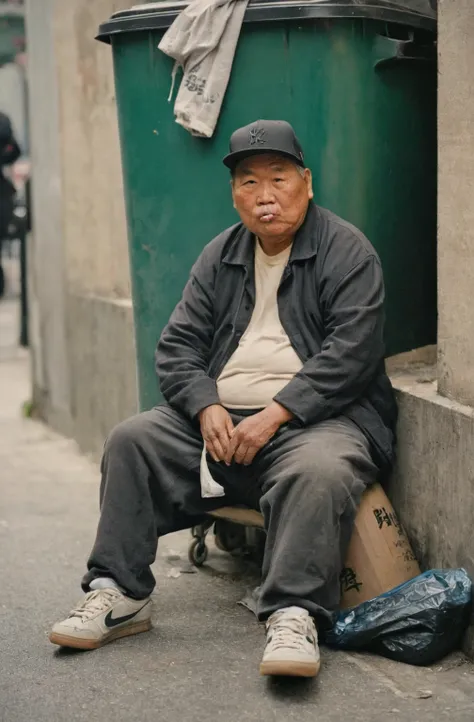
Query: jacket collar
{"x": 242, "y": 248}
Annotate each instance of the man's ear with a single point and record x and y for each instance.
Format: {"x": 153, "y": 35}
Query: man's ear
{"x": 309, "y": 183}
{"x": 232, "y": 191}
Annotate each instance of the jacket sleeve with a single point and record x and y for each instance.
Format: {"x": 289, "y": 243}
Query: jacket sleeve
{"x": 351, "y": 353}
{"x": 182, "y": 354}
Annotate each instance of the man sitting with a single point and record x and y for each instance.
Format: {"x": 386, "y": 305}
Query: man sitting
{"x": 274, "y": 360}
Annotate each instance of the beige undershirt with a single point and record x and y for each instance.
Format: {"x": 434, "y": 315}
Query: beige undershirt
{"x": 264, "y": 361}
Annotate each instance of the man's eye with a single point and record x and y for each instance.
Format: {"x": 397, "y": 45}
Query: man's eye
{"x": 279, "y": 180}
{"x": 249, "y": 182}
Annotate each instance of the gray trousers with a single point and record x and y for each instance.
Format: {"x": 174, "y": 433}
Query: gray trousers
{"x": 307, "y": 482}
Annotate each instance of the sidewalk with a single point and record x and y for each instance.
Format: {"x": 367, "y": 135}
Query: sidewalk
{"x": 200, "y": 662}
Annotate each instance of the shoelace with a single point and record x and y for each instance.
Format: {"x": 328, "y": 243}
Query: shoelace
{"x": 97, "y": 601}
{"x": 287, "y": 630}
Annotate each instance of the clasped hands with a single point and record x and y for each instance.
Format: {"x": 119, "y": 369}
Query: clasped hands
{"x": 226, "y": 442}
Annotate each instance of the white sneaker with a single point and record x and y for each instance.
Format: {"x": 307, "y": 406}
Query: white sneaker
{"x": 103, "y": 615}
{"x": 292, "y": 644}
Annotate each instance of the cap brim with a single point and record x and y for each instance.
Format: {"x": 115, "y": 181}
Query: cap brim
{"x": 232, "y": 159}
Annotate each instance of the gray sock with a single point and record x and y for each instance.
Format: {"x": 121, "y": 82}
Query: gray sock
{"x": 104, "y": 583}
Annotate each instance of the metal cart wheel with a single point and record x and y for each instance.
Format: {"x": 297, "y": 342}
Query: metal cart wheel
{"x": 198, "y": 552}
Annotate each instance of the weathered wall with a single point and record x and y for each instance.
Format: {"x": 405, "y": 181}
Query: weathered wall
{"x": 81, "y": 264}
{"x": 101, "y": 350}
{"x": 51, "y": 377}
{"x": 456, "y": 199}
{"x": 433, "y": 484}
{"x": 94, "y": 221}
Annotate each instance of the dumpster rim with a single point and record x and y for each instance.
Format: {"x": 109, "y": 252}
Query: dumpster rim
{"x": 140, "y": 18}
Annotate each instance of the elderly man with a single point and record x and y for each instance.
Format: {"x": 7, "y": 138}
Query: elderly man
{"x": 274, "y": 360}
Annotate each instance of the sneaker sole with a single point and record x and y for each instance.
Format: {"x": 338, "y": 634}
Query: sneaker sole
{"x": 290, "y": 669}
{"x": 64, "y": 640}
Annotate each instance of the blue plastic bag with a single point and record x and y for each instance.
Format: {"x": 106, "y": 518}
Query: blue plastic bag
{"x": 418, "y": 622}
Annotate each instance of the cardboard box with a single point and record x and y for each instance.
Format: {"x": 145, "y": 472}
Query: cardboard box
{"x": 380, "y": 556}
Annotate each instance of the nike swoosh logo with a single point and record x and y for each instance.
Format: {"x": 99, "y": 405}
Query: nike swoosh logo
{"x": 110, "y": 622}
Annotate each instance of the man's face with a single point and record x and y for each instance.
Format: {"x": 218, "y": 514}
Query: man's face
{"x": 271, "y": 196}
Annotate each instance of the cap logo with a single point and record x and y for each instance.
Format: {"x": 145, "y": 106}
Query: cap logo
{"x": 257, "y": 136}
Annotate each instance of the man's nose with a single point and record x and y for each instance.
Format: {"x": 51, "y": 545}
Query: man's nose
{"x": 266, "y": 194}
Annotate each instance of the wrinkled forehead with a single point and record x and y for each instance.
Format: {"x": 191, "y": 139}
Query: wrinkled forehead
{"x": 263, "y": 161}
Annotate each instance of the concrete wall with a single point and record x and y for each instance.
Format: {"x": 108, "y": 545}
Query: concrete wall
{"x": 433, "y": 484}
{"x": 101, "y": 347}
{"x": 456, "y": 199}
{"x": 434, "y": 480}
{"x": 84, "y": 351}
{"x": 48, "y": 332}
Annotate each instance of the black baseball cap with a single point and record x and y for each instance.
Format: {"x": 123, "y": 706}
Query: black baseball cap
{"x": 264, "y": 136}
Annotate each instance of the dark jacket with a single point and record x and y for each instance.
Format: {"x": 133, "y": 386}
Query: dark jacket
{"x": 330, "y": 303}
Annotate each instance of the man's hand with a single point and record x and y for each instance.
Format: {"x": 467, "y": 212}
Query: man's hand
{"x": 253, "y": 433}
{"x": 216, "y": 429}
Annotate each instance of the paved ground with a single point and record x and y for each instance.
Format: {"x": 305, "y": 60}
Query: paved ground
{"x": 201, "y": 659}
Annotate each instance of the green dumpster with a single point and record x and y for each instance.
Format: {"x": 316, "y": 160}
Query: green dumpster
{"x": 358, "y": 83}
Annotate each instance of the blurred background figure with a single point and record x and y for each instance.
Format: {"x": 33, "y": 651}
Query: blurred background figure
{"x": 9, "y": 154}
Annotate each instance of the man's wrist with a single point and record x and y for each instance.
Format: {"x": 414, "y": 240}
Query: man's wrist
{"x": 279, "y": 413}
{"x": 205, "y": 408}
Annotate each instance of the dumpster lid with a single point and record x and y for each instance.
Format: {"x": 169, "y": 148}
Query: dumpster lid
{"x": 160, "y": 15}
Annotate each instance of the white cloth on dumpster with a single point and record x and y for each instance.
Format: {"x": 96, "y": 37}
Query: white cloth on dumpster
{"x": 209, "y": 487}
{"x": 202, "y": 40}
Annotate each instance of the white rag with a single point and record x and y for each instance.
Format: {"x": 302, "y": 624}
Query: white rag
{"x": 202, "y": 40}
{"x": 209, "y": 487}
